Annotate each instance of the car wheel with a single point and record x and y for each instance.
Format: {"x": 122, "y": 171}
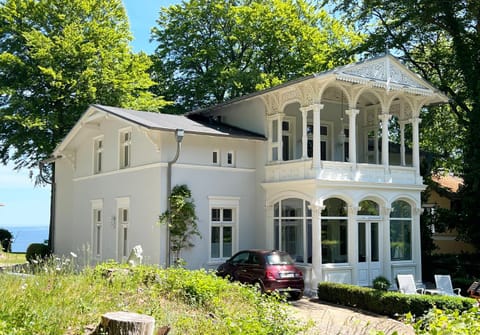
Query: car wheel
{"x": 295, "y": 295}
{"x": 259, "y": 287}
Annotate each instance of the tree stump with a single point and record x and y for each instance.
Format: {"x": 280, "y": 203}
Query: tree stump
{"x": 126, "y": 323}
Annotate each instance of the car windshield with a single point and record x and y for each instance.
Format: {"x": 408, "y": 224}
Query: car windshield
{"x": 279, "y": 259}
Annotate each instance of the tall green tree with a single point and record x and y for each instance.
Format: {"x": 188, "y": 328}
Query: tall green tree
{"x": 56, "y": 58}
{"x": 440, "y": 39}
{"x": 210, "y": 51}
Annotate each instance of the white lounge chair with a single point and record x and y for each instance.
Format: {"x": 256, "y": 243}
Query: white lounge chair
{"x": 406, "y": 284}
{"x": 444, "y": 285}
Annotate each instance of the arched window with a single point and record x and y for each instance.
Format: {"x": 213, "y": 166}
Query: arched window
{"x": 293, "y": 228}
{"x": 334, "y": 231}
{"x": 368, "y": 207}
{"x": 401, "y": 231}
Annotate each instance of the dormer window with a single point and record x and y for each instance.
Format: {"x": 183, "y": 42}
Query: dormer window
{"x": 125, "y": 148}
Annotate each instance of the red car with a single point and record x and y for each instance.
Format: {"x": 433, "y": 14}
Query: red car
{"x": 272, "y": 270}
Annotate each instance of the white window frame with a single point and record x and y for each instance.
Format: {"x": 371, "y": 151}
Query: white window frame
{"x": 98, "y": 145}
{"x": 291, "y": 135}
{"x": 125, "y": 148}
{"x": 230, "y": 158}
{"x": 97, "y": 227}
{"x": 123, "y": 225}
{"x": 217, "y": 153}
{"x": 222, "y": 203}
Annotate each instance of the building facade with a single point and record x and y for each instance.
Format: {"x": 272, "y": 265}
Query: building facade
{"x": 308, "y": 167}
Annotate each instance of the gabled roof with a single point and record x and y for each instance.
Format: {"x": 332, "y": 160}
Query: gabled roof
{"x": 386, "y": 72}
{"x": 383, "y": 71}
{"x": 159, "y": 121}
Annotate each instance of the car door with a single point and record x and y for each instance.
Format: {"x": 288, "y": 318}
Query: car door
{"x": 251, "y": 270}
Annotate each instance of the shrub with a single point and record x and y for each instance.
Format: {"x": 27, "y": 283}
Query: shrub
{"x": 447, "y": 322}
{"x": 381, "y": 283}
{"x": 6, "y": 240}
{"x": 37, "y": 251}
{"x": 389, "y": 303}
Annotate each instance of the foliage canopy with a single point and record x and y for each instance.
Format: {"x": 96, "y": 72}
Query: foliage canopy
{"x": 56, "y": 58}
{"x": 211, "y": 51}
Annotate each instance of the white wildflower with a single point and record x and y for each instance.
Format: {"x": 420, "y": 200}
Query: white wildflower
{"x": 74, "y": 255}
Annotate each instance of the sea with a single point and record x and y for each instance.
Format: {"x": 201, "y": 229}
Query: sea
{"x": 24, "y": 236}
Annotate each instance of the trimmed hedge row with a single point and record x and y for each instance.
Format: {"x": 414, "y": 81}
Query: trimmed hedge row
{"x": 392, "y": 304}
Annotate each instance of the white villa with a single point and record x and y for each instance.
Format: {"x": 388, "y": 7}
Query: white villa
{"x": 306, "y": 167}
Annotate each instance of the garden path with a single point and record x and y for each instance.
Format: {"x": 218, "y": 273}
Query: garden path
{"x": 340, "y": 320}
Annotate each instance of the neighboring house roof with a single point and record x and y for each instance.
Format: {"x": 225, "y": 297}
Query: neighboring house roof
{"x": 159, "y": 121}
{"x": 451, "y": 183}
{"x": 382, "y": 71}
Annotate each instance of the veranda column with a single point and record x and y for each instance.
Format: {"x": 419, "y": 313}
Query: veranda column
{"x": 402, "y": 143}
{"x": 385, "y": 150}
{"x": 416, "y": 243}
{"x": 304, "y": 111}
{"x": 416, "y": 145}
{"x": 280, "y": 138}
{"x": 270, "y": 137}
{"x": 352, "y": 131}
{"x": 317, "y": 154}
{"x": 316, "y": 245}
{"x": 387, "y": 254}
{"x": 352, "y": 241}
{"x": 270, "y": 236}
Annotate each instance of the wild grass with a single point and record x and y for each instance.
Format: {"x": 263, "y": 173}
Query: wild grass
{"x": 59, "y": 299}
{"x": 7, "y": 258}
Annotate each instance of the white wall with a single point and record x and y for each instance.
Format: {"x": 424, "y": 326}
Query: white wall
{"x": 144, "y": 184}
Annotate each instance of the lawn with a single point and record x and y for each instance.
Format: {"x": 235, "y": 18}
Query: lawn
{"x": 7, "y": 259}
{"x": 62, "y": 299}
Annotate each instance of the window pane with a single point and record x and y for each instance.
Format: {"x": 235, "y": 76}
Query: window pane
{"x": 368, "y": 207}
{"x": 334, "y": 241}
{"x": 309, "y": 241}
{"x": 292, "y": 208}
{"x": 215, "y": 214}
{"x": 227, "y": 215}
{"x": 215, "y": 157}
{"x": 334, "y": 207}
{"x": 215, "y": 246}
{"x": 362, "y": 248}
{"x": 401, "y": 209}
{"x": 276, "y": 232}
{"x": 400, "y": 240}
{"x": 292, "y": 238}
{"x": 227, "y": 241}
{"x": 274, "y": 134}
{"x": 98, "y": 239}
{"x": 125, "y": 242}
{"x": 374, "y": 241}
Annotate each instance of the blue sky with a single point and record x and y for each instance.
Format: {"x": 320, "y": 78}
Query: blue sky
{"x": 22, "y": 204}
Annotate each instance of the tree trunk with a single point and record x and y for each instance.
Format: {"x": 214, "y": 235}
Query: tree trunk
{"x": 125, "y": 323}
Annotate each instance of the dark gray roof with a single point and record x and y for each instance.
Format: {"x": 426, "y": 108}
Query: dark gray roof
{"x": 194, "y": 124}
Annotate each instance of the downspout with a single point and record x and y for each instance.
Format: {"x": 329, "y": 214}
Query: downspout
{"x": 51, "y": 228}
{"x": 179, "y": 133}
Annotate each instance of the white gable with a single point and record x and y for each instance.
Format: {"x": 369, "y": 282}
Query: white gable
{"x": 385, "y": 72}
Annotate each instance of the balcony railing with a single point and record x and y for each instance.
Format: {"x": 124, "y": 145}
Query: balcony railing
{"x": 340, "y": 171}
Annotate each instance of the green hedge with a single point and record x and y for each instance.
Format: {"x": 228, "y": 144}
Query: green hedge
{"x": 392, "y": 304}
